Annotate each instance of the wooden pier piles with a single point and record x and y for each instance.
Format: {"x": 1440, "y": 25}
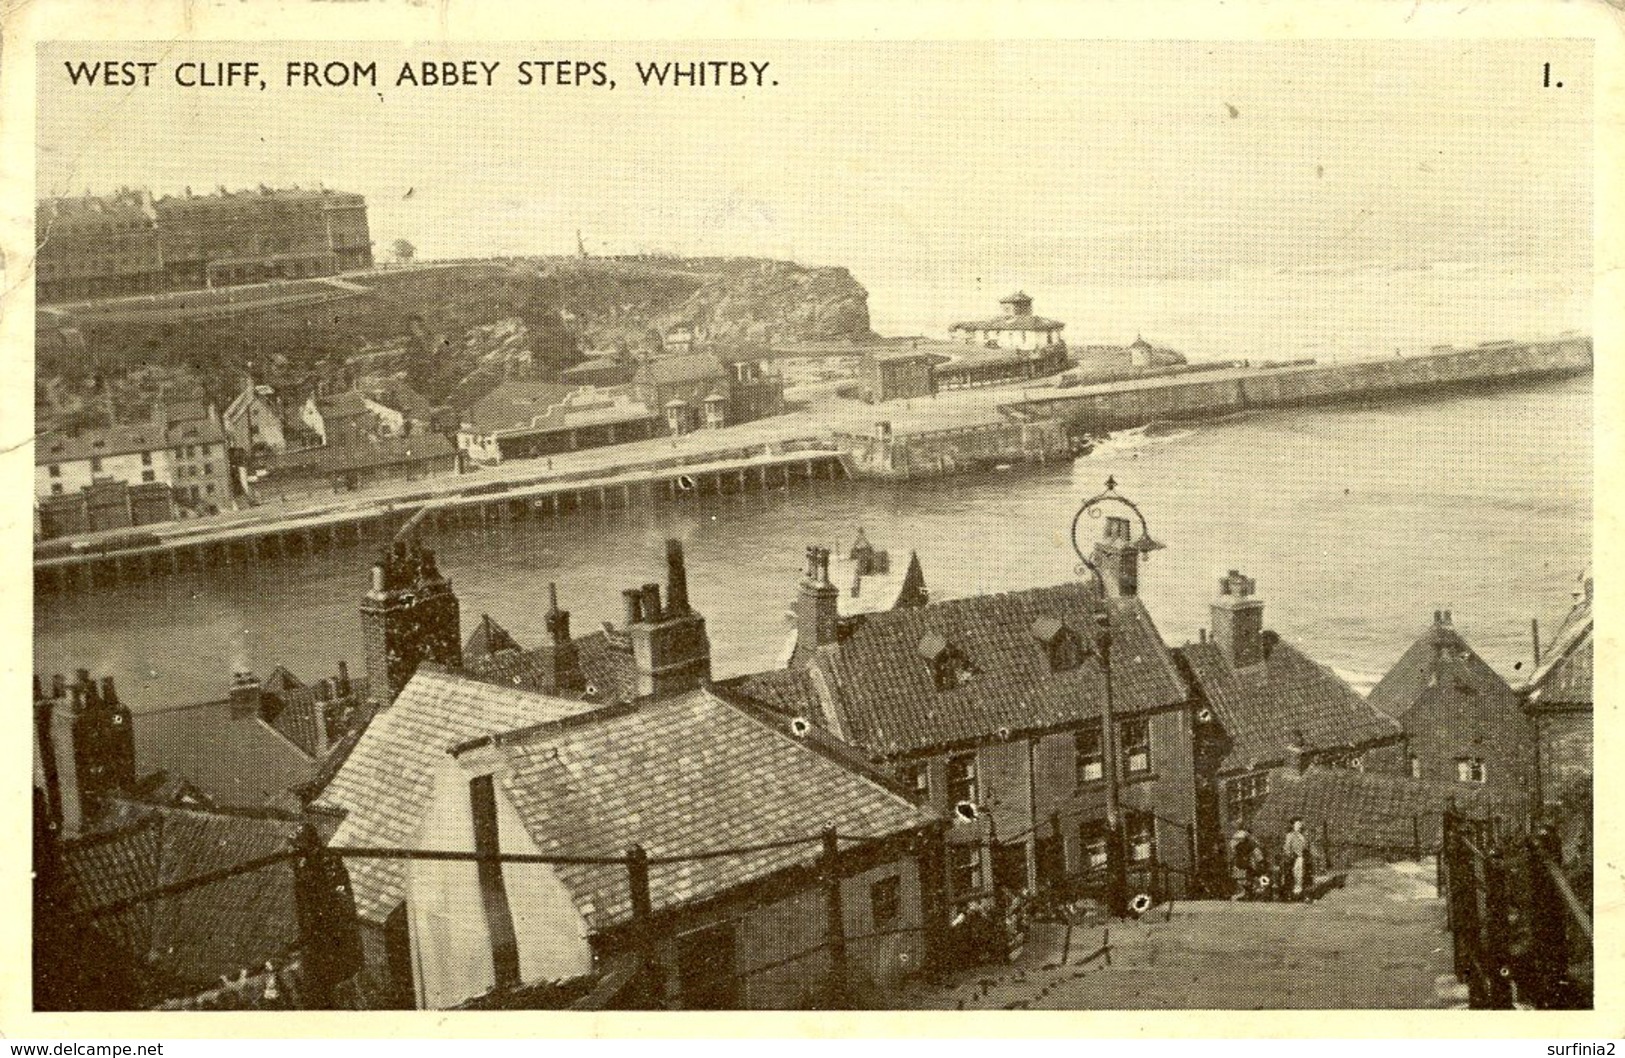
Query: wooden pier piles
{"x": 243, "y": 547}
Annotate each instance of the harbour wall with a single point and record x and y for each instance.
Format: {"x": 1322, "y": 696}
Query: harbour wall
{"x": 1126, "y": 405}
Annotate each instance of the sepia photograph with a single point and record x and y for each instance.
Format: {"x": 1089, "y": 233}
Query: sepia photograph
{"x": 807, "y": 525}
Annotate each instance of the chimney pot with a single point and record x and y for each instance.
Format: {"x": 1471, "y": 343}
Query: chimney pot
{"x": 39, "y": 689}
{"x": 343, "y": 687}
{"x": 81, "y": 676}
{"x": 632, "y": 604}
{"x": 651, "y": 602}
{"x": 109, "y": 692}
{"x": 378, "y": 578}
{"x": 59, "y": 686}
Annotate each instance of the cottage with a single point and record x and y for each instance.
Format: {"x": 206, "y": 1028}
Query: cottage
{"x": 688, "y": 774}
{"x": 253, "y": 421}
{"x": 1559, "y": 701}
{"x": 990, "y": 710}
{"x": 1261, "y": 704}
{"x": 692, "y": 390}
{"x": 1462, "y": 722}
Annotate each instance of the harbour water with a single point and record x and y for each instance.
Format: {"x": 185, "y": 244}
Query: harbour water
{"x": 1356, "y": 522}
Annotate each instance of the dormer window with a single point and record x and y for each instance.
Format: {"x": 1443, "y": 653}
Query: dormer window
{"x": 1062, "y": 647}
{"x": 949, "y": 666}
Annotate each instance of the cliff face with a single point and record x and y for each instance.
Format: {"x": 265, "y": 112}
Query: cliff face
{"x": 448, "y": 330}
{"x": 630, "y": 303}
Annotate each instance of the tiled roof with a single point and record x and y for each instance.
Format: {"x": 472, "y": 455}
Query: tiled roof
{"x": 516, "y": 401}
{"x": 184, "y": 943}
{"x": 1564, "y": 675}
{"x": 384, "y": 785}
{"x": 888, "y": 702}
{"x": 691, "y": 367}
{"x": 690, "y": 773}
{"x": 368, "y": 452}
{"x": 606, "y": 673}
{"x": 1439, "y": 661}
{"x": 344, "y": 405}
{"x": 236, "y": 760}
{"x": 788, "y": 692}
{"x": 1367, "y": 812}
{"x": 541, "y": 407}
{"x": 312, "y": 725}
{"x": 1264, "y": 707}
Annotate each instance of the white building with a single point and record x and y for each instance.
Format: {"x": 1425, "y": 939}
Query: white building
{"x": 1018, "y": 328}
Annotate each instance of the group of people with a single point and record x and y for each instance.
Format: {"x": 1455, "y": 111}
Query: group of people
{"x": 1254, "y": 877}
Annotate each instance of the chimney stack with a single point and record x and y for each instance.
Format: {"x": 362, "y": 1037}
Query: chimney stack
{"x": 558, "y": 621}
{"x": 1238, "y": 621}
{"x": 1118, "y": 558}
{"x": 671, "y": 653}
{"x": 676, "y": 580}
{"x": 817, "y": 607}
{"x": 246, "y": 695}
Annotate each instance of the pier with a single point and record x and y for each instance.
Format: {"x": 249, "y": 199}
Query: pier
{"x": 184, "y": 547}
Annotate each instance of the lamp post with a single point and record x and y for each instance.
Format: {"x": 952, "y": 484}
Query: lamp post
{"x": 1116, "y": 845}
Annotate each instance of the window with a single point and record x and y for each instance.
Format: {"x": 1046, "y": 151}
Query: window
{"x": 1142, "y": 836}
{"x": 208, "y": 468}
{"x": 147, "y": 475}
{"x": 1244, "y": 794}
{"x": 962, "y": 779}
{"x": 965, "y": 869}
{"x": 56, "y": 488}
{"x": 55, "y": 470}
{"x": 190, "y": 451}
{"x": 1413, "y": 766}
{"x": 146, "y": 459}
{"x": 915, "y": 777}
{"x": 205, "y": 450}
{"x": 1136, "y": 738}
{"x": 208, "y": 490}
{"x": 95, "y": 464}
{"x": 1093, "y": 837}
{"x": 1091, "y": 755}
{"x": 886, "y": 902}
{"x": 1470, "y": 769}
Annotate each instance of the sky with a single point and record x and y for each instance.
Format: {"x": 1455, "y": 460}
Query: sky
{"x": 939, "y": 171}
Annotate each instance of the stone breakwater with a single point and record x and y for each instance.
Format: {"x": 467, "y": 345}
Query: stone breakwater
{"x": 1130, "y": 404}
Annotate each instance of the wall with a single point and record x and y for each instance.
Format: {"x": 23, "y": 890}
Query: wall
{"x": 1565, "y": 747}
{"x": 1318, "y": 384}
{"x": 949, "y": 451}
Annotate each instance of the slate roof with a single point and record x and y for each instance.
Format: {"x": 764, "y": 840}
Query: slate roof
{"x": 788, "y": 692}
{"x": 690, "y": 367}
{"x": 384, "y": 784}
{"x": 236, "y": 760}
{"x": 117, "y": 440}
{"x": 488, "y": 638}
{"x": 368, "y": 452}
{"x": 887, "y": 700}
{"x": 185, "y": 943}
{"x": 689, "y": 773}
{"x": 1264, "y": 707}
{"x": 605, "y": 671}
{"x": 1564, "y": 676}
{"x": 1370, "y": 812}
{"x": 1439, "y": 661}
{"x": 1010, "y": 323}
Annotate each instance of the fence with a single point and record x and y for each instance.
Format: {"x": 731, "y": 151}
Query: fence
{"x": 329, "y": 946}
{"x": 1520, "y": 934}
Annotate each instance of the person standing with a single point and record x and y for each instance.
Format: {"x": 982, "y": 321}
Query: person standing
{"x": 1244, "y": 856}
{"x": 1296, "y": 848}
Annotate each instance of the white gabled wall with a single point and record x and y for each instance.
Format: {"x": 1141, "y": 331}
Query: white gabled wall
{"x": 451, "y": 946}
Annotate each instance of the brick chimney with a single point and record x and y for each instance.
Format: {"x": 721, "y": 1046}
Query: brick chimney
{"x": 566, "y": 656}
{"x": 1238, "y": 621}
{"x": 409, "y": 615}
{"x": 817, "y": 607}
{"x": 671, "y": 652}
{"x": 1118, "y": 558}
{"x": 86, "y": 745}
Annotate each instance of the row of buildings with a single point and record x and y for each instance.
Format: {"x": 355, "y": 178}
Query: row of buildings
{"x": 595, "y": 820}
{"x": 130, "y": 242}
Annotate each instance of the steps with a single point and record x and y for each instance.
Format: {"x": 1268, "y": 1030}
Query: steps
{"x": 1376, "y": 943}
